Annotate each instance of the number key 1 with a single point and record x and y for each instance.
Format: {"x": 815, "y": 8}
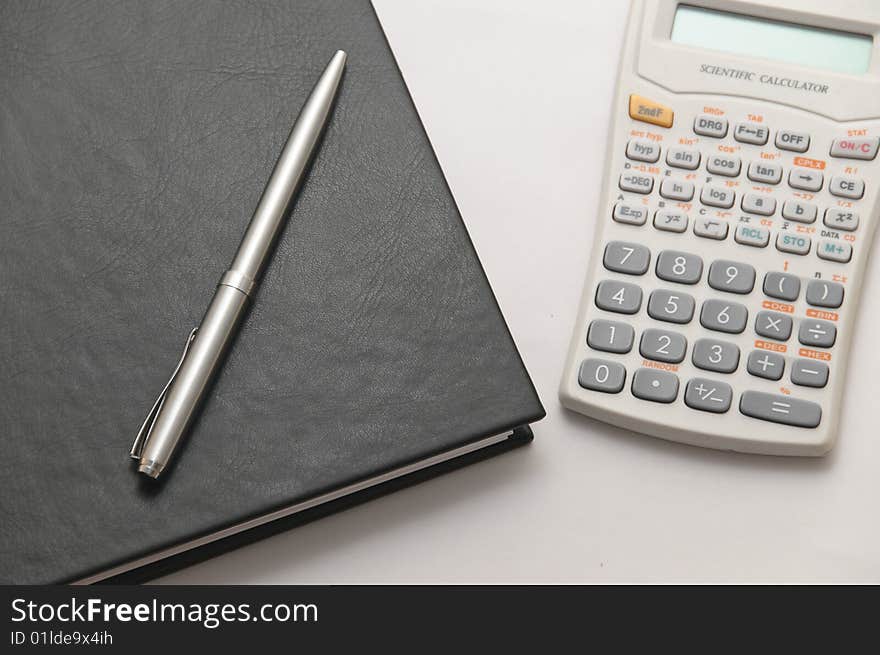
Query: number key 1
{"x": 610, "y": 336}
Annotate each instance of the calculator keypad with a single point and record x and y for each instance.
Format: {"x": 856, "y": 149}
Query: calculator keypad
{"x": 821, "y": 293}
{"x": 671, "y": 306}
{"x": 723, "y": 316}
{"x": 763, "y": 364}
{"x": 805, "y": 179}
{"x": 654, "y": 385}
{"x": 726, "y": 184}
{"x": 715, "y": 355}
{"x": 602, "y": 375}
{"x": 809, "y": 373}
{"x": 675, "y": 266}
{"x": 708, "y": 395}
{"x": 663, "y": 346}
{"x": 723, "y": 165}
{"x": 620, "y": 297}
{"x": 734, "y": 277}
{"x": 751, "y": 133}
{"x": 773, "y": 325}
{"x": 716, "y": 196}
{"x": 794, "y": 141}
{"x": 610, "y": 336}
{"x": 801, "y": 212}
{"x": 629, "y": 258}
{"x": 780, "y": 409}
{"x": 782, "y": 285}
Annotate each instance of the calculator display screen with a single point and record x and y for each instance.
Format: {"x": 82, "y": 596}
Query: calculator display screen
{"x": 842, "y": 52}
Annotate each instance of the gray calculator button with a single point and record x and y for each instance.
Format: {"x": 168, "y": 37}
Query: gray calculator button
{"x": 773, "y": 325}
{"x": 780, "y": 409}
{"x": 683, "y": 158}
{"x": 677, "y": 190}
{"x": 805, "y": 179}
{"x": 708, "y": 395}
{"x": 629, "y": 258}
{"x": 846, "y": 187}
{"x": 716, "y": 196}
{"x": 715, "y": 355}
{"x": 654, "y": 385}
{"x": 809, "y": 373}
{"x": 751, "y": 235}
{"x": 783, "y": 286}
{"x": 794, "y": 141}
{"x": 723, "y": 165}
{"x": 755, "y": 203}
{"x": 764, "y": 364}
{"x": 630, "y": 214}
{"x": 734, "y": 277}
{"x": 636, "y": 182}
{"x": 849, "y": 148}
{"x": 801, "y": 212}
{"x": 671, "y": 220}
{"x": 662, "y": 346}
{"x": 792, "y": 242}
{"x": 834, "y": 250}
{"x": 620, "y": 297}
{"x": 751, "y": 133}
{"x": 721, "y": 316}
{"x": 765, "y": 173}
{"x": 711, "y": 228}
{"x": 671, "y": 306}
{"x": 706, "y": 125}
{"x": 643, "y": 150}
{"x": 824, "y": 294}
{"x": 841, "y": 219}
{"x": 602, "y": 375}
{"x": 675, "y": 266}
{"x": 821, "y": 334}
{"x": 610, "y": 336}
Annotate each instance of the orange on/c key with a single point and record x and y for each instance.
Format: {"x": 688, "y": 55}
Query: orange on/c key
{"x": 648, "y": 111}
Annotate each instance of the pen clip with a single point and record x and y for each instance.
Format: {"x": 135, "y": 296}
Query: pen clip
{"x": 143, "y": 434}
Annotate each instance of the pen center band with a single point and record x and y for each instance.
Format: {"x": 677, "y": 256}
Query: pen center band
{"x": 238, "y": 280}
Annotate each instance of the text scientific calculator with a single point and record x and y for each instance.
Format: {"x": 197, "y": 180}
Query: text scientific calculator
{"x": 739, "y": 203}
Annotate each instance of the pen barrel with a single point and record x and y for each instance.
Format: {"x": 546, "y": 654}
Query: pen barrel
{"x": 192, "y": 382}
{"x": 290, "y": 170}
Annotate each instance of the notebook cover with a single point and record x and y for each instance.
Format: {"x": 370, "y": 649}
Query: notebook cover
{"x": 135, "y": 140}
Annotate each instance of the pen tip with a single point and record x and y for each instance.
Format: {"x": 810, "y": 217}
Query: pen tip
{"x": 340, "y": 57}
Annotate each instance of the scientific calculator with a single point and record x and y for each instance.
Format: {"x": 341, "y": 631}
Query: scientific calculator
{"x": 736, "y": 217}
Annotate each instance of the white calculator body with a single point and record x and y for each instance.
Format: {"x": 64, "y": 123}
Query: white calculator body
{"x": 739, "y": 203}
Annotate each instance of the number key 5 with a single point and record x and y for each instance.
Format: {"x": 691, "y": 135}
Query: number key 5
{"x": 671, "y": 306}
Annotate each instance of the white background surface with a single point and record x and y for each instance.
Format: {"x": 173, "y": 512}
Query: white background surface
{"x": 515, "y": 96}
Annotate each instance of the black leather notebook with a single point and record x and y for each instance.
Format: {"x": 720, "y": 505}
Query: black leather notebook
{"x": 135, "y": 140}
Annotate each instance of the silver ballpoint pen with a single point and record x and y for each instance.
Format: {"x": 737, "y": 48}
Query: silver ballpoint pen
{"x": 206, "y": 346}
